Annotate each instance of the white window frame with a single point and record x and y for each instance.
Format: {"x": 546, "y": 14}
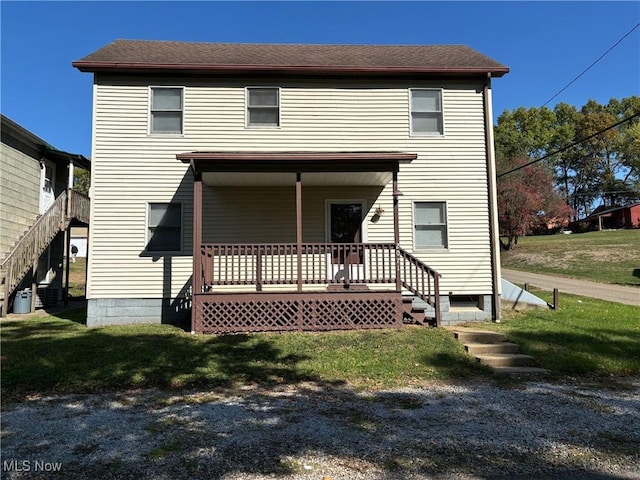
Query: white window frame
{"x": 246, "y": 106}
{"x": 444, "y": 247}
{"x": 148, "y": 227}
{"x": 441, "y": 112}
{"x": 151, "y": 111}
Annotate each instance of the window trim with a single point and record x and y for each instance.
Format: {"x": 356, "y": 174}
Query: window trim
{"x": 147, "y": 228}
{"x": 246, "y": 106}
{"x": 431, "y": 248}
{"x": 441, "y": 112}
{"x": 151, "y": 111}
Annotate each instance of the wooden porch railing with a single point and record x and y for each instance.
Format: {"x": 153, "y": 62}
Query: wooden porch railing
{"x": 277, "y": 264}
{"x": 421, "y": 280}
{"x": 79, "y": 206}
{"x": 322, "y": 263}
{"x": 70, "y": 204}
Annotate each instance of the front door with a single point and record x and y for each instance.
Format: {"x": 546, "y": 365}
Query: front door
{"x": 344, "y": 226}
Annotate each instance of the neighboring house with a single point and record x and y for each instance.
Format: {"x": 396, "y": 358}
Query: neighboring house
{"x": 79, "y": 236}
{"x": 613, "y": 218}
{"x": 291, "y": 187}
{"x": 37, "y": 206}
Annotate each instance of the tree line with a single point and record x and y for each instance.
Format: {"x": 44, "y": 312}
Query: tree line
{"x": 601, "y": 172}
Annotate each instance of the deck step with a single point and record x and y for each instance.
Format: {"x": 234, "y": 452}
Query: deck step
{"x": 491, "y": 348}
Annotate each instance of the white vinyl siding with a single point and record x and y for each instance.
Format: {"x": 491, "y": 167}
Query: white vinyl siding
{"x": 263, "y": 107}
{"x": 166, "y": 113}
{"x": 132, "y": 168}
{"x": 426, "y": 112}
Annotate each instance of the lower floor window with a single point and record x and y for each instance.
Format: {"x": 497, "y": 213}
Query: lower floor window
{"x": 430, "y": 225}
{"x": 164, "y": 227}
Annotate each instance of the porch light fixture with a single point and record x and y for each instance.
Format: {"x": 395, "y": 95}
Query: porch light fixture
{"x": 378, "y": 212}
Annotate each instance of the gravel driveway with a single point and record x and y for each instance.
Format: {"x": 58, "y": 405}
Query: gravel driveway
{"x": 437, "y": 431}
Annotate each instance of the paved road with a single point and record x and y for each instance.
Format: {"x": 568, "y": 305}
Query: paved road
{"x": 613, "y": 293}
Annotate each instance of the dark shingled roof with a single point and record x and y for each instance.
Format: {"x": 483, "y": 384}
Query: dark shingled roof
{"x": 143, "y": 55}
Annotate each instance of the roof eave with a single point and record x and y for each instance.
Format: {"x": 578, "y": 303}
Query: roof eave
{"x": 132, "y": 67}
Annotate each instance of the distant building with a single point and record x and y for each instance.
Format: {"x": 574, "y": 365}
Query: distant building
{"x": 614, "y": 218}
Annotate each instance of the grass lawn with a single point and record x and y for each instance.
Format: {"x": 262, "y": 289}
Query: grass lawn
{"x": 77, "y": 277}
{"x": 584, "y": 337}
{"x": 607, "y": 257}
{"x": 52, "y": 354}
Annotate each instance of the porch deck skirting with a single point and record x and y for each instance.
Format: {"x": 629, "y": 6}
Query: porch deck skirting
{"x": 296, "y": 311}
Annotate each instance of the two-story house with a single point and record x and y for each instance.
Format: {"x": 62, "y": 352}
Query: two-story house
{"x": 37, "y": 207}
{"x": 291, "y": 187}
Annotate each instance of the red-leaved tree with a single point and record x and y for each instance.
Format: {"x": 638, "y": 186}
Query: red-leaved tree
{"x": 526, "y": 198}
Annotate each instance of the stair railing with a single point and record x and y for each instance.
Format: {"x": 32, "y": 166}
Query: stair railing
{"x": 421, "y": 280}
{"x": 69, "y": 204}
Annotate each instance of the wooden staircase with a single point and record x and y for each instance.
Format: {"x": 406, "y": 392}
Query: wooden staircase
{"x": 69, "y": 206}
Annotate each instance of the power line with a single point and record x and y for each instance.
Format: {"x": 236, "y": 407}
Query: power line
{"x": 590, "y": 66}
{"x": 570, "y": 146}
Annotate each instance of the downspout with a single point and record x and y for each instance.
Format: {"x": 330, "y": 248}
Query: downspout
{"x": 494, "y": 228}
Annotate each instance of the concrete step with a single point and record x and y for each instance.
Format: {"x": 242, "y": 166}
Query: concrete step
{"x": 520, "y": 370}
{"x": 478, "y": 336}
{"x": 491, "y": 348}
{"x": 507, "y": 360}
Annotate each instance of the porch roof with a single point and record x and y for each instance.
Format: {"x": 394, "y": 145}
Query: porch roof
{"x": 295, "y": 161}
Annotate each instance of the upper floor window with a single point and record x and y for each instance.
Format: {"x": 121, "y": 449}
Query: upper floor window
{"x": 263, "y": 107}
{"x": 166, "y": 110}
{"x": 426, "y": 112}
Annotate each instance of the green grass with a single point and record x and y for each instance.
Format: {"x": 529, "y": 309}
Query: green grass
{"x": 61, "y": 355}
{"x": 584, "y": 337}
{"x": 77, "y": 277}
{"x": 607, "y": 257}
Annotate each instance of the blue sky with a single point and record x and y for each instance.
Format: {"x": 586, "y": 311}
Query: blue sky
{"x": 546, "y": 45}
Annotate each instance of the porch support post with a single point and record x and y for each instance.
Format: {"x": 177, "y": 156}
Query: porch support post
{"x": 299, "y": 227}
{"x": 196, "y": 281}
{"x": 34, "y": 284}
{"x": 396, "y": 227}
{"x": 67, "y": 254}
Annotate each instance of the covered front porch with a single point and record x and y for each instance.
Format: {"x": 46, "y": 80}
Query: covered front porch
{"x": 315, "y": 269}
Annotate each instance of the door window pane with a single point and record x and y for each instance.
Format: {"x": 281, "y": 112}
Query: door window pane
{"x": 346, "y": 221}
